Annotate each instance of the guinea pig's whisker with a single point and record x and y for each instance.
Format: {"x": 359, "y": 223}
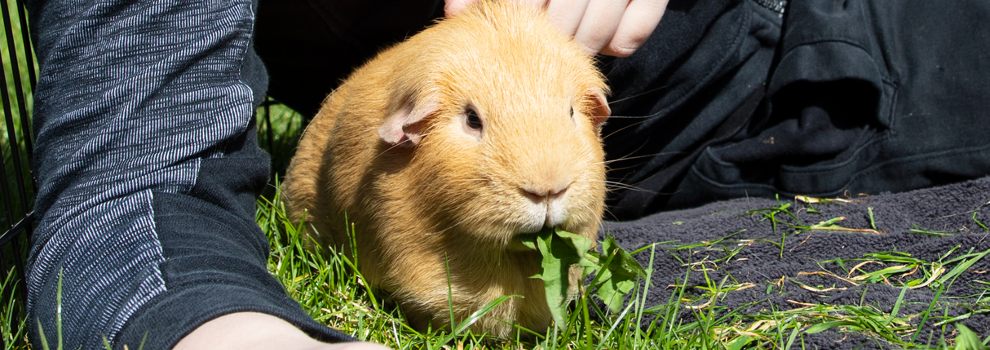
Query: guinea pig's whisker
{"x": 622, "y": 168}
{"x": 628, "y": 117}
{"x": 621, "y": 159}
{"x": 641, "y": 94}
{"x": 608, "y": 215}
{"x": 390, "y": 148}
{"x": 461, "y": 222}
{"x": 619, "y": 185}
{"x": 637, "y": 123}
{"x": 437, "y": 230}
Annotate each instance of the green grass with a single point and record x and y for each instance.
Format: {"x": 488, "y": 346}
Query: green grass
{"x": 694, "y": 316}
{"x": 279, "y": 128}
{"x": 332, "y": 291}
{"x": 12, "y": 325}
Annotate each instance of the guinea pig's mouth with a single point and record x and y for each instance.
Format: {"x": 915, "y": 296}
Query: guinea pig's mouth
{"x": 525, "y": 241}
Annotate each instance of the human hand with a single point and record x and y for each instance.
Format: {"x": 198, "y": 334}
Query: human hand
{"x": 253, "y": 330}
{"x": 610, "y": 27}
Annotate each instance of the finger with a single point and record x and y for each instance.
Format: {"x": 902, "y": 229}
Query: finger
{"x": 600, "y": 21}
{"x": 567, "y": 14}
{"x": 453, "y": 7}
{"x": 638, "y": 23}
{"x": 535, "y": 3}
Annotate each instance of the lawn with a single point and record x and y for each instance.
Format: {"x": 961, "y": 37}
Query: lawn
{"x": 691, "y": 316}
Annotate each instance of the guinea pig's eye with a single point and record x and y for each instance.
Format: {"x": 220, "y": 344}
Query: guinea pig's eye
{"x": 571, "y": 112}
{"x": 472, "y": 119}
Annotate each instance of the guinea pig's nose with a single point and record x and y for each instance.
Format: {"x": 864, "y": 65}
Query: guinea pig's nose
{"x": 543, "y": 194}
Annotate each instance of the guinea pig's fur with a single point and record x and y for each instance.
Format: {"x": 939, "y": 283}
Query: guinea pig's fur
{"x": 429, "y": 191}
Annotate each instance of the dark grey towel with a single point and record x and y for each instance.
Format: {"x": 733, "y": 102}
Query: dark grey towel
{"x": 949, "y": 210}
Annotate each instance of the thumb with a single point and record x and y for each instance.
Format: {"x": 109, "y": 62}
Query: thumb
{"x": 453, "y": 7}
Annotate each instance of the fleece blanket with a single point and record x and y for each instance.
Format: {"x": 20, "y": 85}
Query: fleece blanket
{"x": 772, "y": 257}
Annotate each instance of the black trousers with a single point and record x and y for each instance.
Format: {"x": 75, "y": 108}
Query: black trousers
{"x": 730, "y": 98}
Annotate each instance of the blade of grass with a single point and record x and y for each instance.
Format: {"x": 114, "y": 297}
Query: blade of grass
{"x": 477, "y": 315}
{"x": 869, "y": 214}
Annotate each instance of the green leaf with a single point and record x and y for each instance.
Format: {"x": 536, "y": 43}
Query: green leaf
{"x": 617, "y": 272}
{"x": 617, "y": 276}
{"x": 581, "y": 247}
{"x": 558, "y": 254}
{"x": 579, "y": 243}
{"x": 529, "y": 243}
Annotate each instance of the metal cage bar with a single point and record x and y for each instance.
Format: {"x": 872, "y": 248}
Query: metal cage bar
{"x": 18, "y": 78}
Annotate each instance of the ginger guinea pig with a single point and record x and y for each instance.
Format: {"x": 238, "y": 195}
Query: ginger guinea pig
{"x": 444, "y": 149}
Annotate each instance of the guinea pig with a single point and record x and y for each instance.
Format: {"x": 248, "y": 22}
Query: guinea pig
{"x": 444, "y": 150}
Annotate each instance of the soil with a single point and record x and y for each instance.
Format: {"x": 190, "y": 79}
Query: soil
{"x": 899, "y": 218}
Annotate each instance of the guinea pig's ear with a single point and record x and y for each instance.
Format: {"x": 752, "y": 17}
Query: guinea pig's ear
{"x": 598, "y": 105}
{"x": 404, "y": 126}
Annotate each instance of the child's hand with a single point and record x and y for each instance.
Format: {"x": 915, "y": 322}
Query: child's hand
{"x": 610, "y": 27}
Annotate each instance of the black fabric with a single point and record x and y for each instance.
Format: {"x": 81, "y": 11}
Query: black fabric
{"x": 309, "y": 46}
{"x": 667, "y": 104}
{"x": 216, "y": 254}
{"x": 865, "y": 96}
{"x": 675, "y": 169}
{"x": 739, "y": 224}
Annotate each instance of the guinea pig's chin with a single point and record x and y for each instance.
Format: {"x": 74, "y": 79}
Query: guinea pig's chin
{"x": 532, "y": 227}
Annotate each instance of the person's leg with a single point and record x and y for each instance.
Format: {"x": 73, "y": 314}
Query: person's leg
{"x": 867, "y": 97}
{"x": 857, "y": 97}
{"x": 147, "y": 168}
{"x": 681, "y": 92}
